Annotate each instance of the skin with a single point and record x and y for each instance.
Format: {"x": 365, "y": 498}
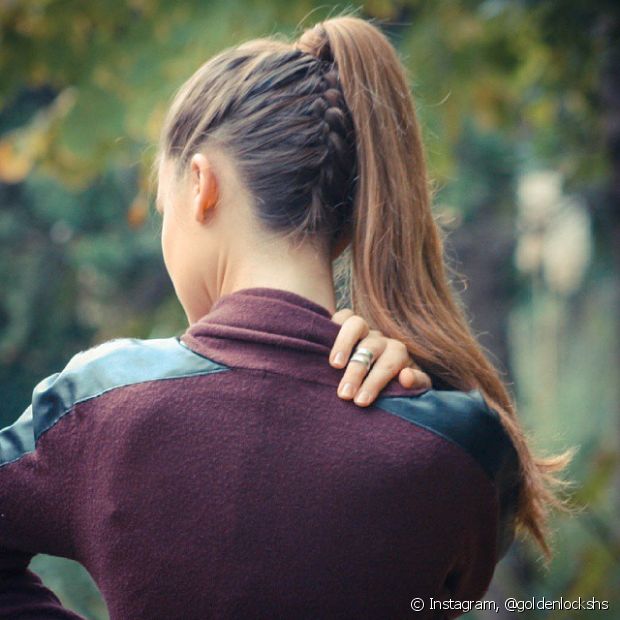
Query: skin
{"x": 213, "y": 245}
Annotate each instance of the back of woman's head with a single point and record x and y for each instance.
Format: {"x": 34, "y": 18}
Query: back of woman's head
{"x": 280, "y": 113}
{"x": 324, "y": 134}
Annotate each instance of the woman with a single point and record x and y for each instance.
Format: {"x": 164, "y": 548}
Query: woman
{"x": 219, "y": 476}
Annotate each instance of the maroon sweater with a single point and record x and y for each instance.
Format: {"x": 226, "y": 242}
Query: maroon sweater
{"x": 220, "y": 476}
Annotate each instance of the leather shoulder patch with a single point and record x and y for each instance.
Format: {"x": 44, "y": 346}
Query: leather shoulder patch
{"x": 111, "y": 365}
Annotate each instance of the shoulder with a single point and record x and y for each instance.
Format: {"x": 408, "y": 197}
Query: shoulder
{"x": 463, "y": 418}
{"x": 114, "y": 364}
{"x": 466, "y": 420}
{"x": 126, "y": 361}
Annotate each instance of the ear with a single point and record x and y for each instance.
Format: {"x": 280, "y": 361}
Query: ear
{"x": 204, "y": 187}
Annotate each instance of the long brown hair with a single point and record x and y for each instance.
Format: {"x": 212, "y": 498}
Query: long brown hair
{"x": 326, "y": 138}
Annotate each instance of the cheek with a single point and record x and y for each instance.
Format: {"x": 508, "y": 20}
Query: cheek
{"x": 176, "y": 246}
{"x": 167, "y": 243}
{"x": 184, "y": 266}
{"x": 171, "y": 246}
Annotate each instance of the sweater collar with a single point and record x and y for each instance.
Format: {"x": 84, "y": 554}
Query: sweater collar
{"x": 272, "y": 330}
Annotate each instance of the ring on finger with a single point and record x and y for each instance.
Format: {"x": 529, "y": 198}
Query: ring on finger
{"x": 363, "y": 356}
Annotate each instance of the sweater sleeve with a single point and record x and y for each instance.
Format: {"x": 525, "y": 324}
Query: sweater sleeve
{"x": 37, "y": 475}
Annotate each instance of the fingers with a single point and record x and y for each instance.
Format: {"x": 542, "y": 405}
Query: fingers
{"x": 342, "y": 315}
{"x": 393, "y": 359}
{"x": 414, "y": 378}
{"x": 356, "y": 371}
{"x": 353, "y": 329}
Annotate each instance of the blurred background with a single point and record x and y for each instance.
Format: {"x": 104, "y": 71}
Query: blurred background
{"x": 520, "y": 105}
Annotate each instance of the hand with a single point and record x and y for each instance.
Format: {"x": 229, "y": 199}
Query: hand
{"x": 391, "y": 358}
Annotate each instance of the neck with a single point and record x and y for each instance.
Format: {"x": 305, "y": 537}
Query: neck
{"x": 303, "y": 269}
{"x": 305, "y": 286}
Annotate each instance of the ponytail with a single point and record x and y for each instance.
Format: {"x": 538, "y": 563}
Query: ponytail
{"x": 398, "y": 278}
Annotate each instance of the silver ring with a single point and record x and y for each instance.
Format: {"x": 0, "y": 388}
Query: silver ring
{"x": 363, "y": 355}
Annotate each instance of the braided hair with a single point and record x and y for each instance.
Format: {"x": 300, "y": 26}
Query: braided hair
{"x": 288, "y": 127}
{"x": 333, "y": 193}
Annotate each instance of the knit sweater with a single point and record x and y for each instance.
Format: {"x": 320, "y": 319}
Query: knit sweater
{"x": 218, "y": 475}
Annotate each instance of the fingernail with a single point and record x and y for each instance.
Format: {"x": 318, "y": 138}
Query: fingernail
{"x": 362, "y": 398}
{"x": 339, "y": 358}
{"x": 347, "y": 390}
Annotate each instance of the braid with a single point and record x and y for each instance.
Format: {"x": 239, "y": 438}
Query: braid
{"x": 334, "y": 189}
{"x": 279, "y": 109}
